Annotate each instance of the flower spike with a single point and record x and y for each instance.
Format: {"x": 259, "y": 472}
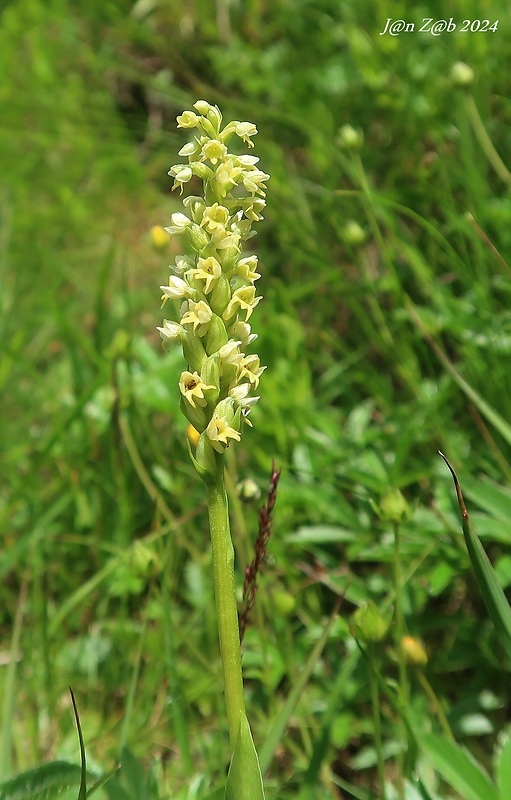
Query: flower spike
{"x": 216, "y": 285}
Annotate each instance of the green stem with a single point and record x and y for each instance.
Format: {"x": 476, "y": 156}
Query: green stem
{"x": 225, "y": 598}
{"x": 375, "y": 702}
{"x": 400, "y": 620}
{"x": 485, "y": 141}
{"x": 399, "y": 634}
{"x": 436, "y": 705}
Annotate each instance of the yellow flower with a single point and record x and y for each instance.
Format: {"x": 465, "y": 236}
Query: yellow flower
{"x": 200, "y": 315}
{"x": 219, "y": 433}
{"x": 250, "y": 368}
{"x": 244, "y": 299}
{"x": 159, "y": 238}
{"x": 214, "y": 216}
{"x": 192, "y": 388}
{"x": 209, "y": 270}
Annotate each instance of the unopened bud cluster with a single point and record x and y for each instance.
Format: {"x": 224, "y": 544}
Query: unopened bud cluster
{"x": 216, "y": 285}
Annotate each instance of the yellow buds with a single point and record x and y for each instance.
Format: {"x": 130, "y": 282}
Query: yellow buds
{"x": 159, "y": 238}
{"x": 414, "y": 651}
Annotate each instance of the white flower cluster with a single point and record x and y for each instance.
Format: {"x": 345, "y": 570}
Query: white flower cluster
{"x": 216, "y": 286}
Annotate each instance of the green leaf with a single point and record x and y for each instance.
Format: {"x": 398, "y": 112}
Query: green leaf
{"x": 495, "y": 599}
{"x": 82, "y": 794}
{"x": 58, "y": 779}
{"x": 503, "y": 769}
{"x": 244, "y": 781}
{"x": 457, "y": 766}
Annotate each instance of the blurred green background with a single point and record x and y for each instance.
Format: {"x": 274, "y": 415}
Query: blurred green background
{"x": 371, "y": 259}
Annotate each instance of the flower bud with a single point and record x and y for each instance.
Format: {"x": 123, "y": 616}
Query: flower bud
{"x": 171, "y": 331}
{"x": 159, "y": 238}
{"x": 350, "y": 138}
{"x": 461, "y": 74}
{"x": 187, "y": 120}
{"x": 202, "y": 106}
{"x": 192, "y": 434}
{"x": 414, "y": 651}
{"x": 201, "y": 169}
{"x": 368, "y": 624}
{"x": 195, "y": 206}
{"x": 248, "y": 490}
{"x": 394, "y": 508}
{"x": 353, "y": 233}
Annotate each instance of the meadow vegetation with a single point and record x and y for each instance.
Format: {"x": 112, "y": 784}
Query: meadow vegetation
{"x": 386, "y": 329}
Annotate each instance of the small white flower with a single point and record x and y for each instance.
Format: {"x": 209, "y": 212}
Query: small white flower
{"x": 222, "y": 239}
{"x": 171, "y": 331}
{"x": 254, "y": 181}
{"x": 242, "y": 331}
{"x": 245, "y": 130}
{"x": 182, "y": 174}
{"x": 240, "y": 392}
{"x": 219, "y": 433}
{"x": 190, "y": 149}
{"x": 246, "y": 267}
{"x": 230, "y": 354}
{"x": 181, "y": 265}
{"x": 177, "y": 288}
{"x": 179, "y": 224}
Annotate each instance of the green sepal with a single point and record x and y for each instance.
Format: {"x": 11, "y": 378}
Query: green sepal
{"x": 193, "y": 350}
{"x": 202, "y": 170}
{"x": 229, "y": 258}
{"x": 196, "y": 416}
{"x": 204, "y": 460}
{"x": 221, "y": 295}
{"x": 244, "y": 781}
{"x": 226, "y": 410}
{"x": 199, "y": 239}
{"x": 216, "y": 336}
{"x": 210, "y": 374}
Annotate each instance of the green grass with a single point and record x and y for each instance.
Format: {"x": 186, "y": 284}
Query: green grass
{"x": 378, "y": 355}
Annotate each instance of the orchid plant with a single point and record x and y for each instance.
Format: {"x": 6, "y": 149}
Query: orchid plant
{"x": 216, "y": 287}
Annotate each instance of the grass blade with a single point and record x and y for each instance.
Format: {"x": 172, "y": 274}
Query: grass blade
{"x": 272, "y": 741}
{"x": 495, "y": 599}
{"x": 458, "y": 768}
